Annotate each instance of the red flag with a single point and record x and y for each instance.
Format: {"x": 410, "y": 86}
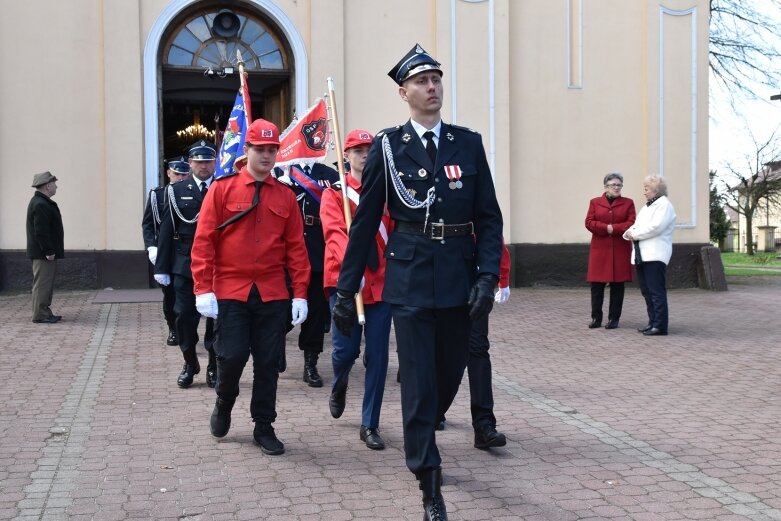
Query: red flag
{"x": 306, "y": 139}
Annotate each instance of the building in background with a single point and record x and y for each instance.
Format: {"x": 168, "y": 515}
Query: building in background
{"x": 562, "y": 92}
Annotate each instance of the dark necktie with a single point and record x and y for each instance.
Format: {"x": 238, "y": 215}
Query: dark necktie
{"x": 204, "y": 188}
{"x": 431, "y": 147}
{"x": 255, "y": 201}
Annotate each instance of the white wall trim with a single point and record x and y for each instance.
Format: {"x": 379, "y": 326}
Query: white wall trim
{"x": 151, "y": 75}
{"x": 491, "y": 76}
{"x": 692, "y": 11}
{"x": 574, "y": 83}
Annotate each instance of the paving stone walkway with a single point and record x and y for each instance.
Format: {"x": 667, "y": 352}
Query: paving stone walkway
{"x": 601, "y": 424}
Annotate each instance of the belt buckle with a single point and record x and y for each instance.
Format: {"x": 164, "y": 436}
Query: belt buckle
{"x": 309, "y": 220}
{"x": 441, "y": 235}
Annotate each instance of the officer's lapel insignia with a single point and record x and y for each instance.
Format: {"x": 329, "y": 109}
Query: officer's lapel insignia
{"x": 406, "y": 138}
{"x": 189, "y": 187}
{"x": 400, "y": 174}
{"x": 412, "y": 192}
{"x": 422, "y": 172}
{"x": 450, "y": 137}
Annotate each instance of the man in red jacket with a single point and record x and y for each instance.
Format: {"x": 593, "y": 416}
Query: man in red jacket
{"x": 245, "y": 242}
{"x": 378, "y": 314}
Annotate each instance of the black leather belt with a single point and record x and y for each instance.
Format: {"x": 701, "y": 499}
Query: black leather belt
{"x": 311, "y": 220}
{"x": 436, "y": 231}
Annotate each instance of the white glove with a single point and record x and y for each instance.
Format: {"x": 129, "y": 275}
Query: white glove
{"x": 206, "y": 305}
{"x": 363, "y": 283}
{"x": 502, "y": 295}
{"x": 163, "y": 279}
{"x": 152, "y": 251}
{"x": 300, "y": 311}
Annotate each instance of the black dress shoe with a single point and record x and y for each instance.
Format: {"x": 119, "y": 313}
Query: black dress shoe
{"x": 51, "y": 319}
{"x": 655, "y": 331}
{"x": 433, "y": 502}
{"x": 611, "y": 324}
{"x": 337, "y": 401}
{"x": 268, "y": 441}
{"x": 220, "y": 421}
{"x": 372, "y": 438}
{"x": 487, "y": 437}
{"x": 595, "y": 324}
{"x": 185, "y": 379}
{"x": 172, "y": 339}
{"x": 643, "y": 329}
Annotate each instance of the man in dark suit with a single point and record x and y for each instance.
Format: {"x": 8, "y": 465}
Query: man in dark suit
{"x": 442, "y": 257}
{"x": 308, "y": 184}
{"x": 45, "y": 244}
{"x": 177, "y": 231}
{"x": 150, "y": 227}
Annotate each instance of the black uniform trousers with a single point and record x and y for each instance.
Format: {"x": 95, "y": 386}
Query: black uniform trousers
{"x": 479, "y": 371}
{"x": 169, "y": 300}
{"x": 432, "y": 346}
{"x": 318, "y": 316}
{"x": 652, "y": 279}
{"x": 188, "y": 318}
{"x": 254, "y": 328}
{"x": 598, "y": 297}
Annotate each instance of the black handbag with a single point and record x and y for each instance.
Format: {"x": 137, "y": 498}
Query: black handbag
{"x": 638, "y": 256}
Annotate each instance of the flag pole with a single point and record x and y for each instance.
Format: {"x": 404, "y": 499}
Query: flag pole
{"x": 348, "y": 218}
{"x": 241, "y": 159}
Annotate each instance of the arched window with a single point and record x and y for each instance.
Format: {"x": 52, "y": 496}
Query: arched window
{"x": 193, "y": 44}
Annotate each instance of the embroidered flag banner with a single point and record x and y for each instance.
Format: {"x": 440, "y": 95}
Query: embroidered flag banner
{"x": 232, "y": 148}
{"x": 305, "y": 141}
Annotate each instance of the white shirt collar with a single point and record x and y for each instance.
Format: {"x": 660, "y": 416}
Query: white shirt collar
{"x": 198, "y": 181}
{"x": 420, "y": 129}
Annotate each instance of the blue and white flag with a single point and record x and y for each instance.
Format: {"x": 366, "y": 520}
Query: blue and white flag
{"x": 232, "y": 148}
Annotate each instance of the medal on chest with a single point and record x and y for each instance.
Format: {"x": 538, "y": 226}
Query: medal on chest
{"x": 453, "y": 173}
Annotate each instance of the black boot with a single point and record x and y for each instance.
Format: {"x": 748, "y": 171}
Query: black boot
{"x": 211, "y": 370}
{"x": 190, "y": 369}
{"x": 172, "y": 339}
{"x": 433, "y": 503}
{"x": 220, "y": 422}
{"x": 311, "y": 376}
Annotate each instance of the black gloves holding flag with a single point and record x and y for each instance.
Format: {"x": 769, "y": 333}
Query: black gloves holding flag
{"x": 344, "y": 312}
{"x": 481, "y": 299}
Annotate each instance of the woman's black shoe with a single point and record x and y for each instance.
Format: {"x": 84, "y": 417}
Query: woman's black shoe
{"x": 644, "y": 329}
{"x": 611, "y": 324}
{"x": 595, "y": 324}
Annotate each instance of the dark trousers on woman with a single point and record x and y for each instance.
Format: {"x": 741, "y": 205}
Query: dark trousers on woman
{"x": 254, "y": 328}
{"x": 598, "y": 297}
{"x": 651, "y": 276}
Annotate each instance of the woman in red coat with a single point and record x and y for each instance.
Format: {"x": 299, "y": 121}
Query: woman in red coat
{"x": 608, "y": 217}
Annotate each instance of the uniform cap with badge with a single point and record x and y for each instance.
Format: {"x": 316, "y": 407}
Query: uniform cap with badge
{"x": 357, "y": 138}
{"x": 202, "y": 151}
{"x": 179, "y": 165}
{"x": 43, "y": 178}
{"x": 417, "y": 60}
{"x": 262, "y": 132}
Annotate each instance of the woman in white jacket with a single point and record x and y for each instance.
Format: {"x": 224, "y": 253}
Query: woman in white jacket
{"x": 652, "y": 235}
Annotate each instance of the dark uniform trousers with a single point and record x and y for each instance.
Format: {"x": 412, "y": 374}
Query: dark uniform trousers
{"x": 318, "y": 315}
{"x": 479, "y": 372}
{"x": 432, "y": 347}
{"x": 254, "y": 328}
{"x": 188, "y": 318}
{"x": 169, "y": 301}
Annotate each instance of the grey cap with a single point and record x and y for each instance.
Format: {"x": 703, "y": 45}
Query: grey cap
{"x": 42, "y": 179}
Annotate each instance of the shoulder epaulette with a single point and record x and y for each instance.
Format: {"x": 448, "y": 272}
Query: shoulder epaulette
{"x": 389, "y": 130}
{"x": 337, "y": 185}
{"x": 459, "y": 127}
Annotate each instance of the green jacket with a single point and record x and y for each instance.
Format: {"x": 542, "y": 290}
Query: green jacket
{"x": 45, "y": 235}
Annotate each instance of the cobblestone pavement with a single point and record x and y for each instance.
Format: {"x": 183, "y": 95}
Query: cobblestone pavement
{"x": 602, "y": 424}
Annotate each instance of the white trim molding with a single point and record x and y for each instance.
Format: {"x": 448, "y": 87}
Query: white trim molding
{"x": 152, "y": 104}
{"x": 577, "y": 6}
{"x": 491, "y": 76}
{"x": 692, "y": 11}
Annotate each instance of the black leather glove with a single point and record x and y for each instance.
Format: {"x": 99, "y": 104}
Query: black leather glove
{"x": 481, "y": 299}
{"x": 344, "y": 312}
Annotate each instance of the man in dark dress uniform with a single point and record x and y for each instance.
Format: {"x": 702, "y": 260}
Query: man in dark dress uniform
{"x": 442, "y": 256}
{"x": 308, "y": 184}
{"x": 150, "y": 226}
{"x": 177, "y": 231}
